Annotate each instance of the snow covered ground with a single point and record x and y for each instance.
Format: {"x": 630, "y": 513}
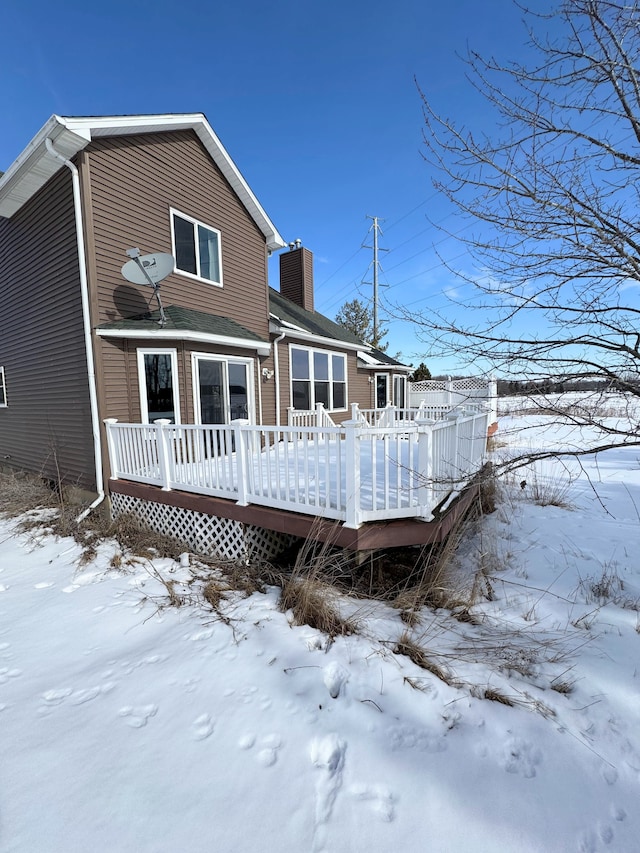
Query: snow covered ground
{"x": 127, "y": 725}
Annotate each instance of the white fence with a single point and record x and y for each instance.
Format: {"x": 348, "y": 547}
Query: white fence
{"x": 354, "y": 473}
{"x": 451, "y": 393}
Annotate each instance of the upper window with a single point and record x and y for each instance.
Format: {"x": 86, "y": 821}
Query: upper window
{"x": 318, "y": 376}
{"x": 196, "y": 248}
{"x": 3, "y": 389}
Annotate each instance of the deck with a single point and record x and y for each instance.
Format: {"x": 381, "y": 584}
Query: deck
{"x": 380, "y": 466}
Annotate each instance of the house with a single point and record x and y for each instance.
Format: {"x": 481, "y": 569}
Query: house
{"x": 80, "y": 346}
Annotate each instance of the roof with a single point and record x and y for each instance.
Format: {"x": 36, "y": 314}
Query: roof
{"x": 69, "y": 135}
{"x": 294, "y": 318}
{"x": 186, "y": 324}
{"x": 376, "y": 358}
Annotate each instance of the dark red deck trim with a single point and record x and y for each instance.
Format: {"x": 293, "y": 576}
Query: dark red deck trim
{"x": 371, "y": 536}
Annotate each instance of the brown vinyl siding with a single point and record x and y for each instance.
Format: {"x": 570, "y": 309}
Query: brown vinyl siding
{"x": 46, "y": 427}
{"x": 135, "y": 180}
{"x": 123, "y": 391}
{"x": 296, "y": 277}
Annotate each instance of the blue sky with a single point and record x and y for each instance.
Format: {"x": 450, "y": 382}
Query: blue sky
{"x": 315, "y": 103}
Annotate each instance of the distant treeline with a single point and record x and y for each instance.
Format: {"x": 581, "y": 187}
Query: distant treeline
{"x": 514, "y": 387}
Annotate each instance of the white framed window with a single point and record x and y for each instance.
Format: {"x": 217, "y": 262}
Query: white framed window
{"x": 318, "y": 376}
{"x": 222, "y": 388}
{"x": 381, "y": 391}
{"x": 399, "y": 390}
{"x": 3, "y": 390}
{"x": 158, "y": 380}
{"x": 196, "y": 248}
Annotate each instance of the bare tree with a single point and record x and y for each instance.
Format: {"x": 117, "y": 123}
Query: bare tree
{"x": 554, "y": 198}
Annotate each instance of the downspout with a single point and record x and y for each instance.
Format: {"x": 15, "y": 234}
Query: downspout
{"x": 84, "y": 293}
{"x": 259, "y": 393}
{"x": 276, "y": 364}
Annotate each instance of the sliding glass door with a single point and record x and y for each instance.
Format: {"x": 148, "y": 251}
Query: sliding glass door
{"x": 223, "y": 389}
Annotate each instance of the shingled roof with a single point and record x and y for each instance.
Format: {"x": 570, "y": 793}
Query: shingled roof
{"x": 309, "y": 321}
{"x": 187, "y": 324}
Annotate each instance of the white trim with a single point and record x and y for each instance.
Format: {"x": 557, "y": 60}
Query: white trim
{"x": 299, "y": 334}
{"x": 395, "y": 377}
{"x": 387, "y": 395}
{"x": 34, "y": 165}
{"x": 261, "y": 347}
{"x": 225, "y": 359}
{"x": 58, "y": 156}
{"x": 373, "y": 363}
{"x": 311, "y": 380}
{"x": 3, "y": 386}
{"x": 195, "y": 222}
{"x": 142, "y": 380}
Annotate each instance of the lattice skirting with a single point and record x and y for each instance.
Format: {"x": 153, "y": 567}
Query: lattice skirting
{"x": 204, "y": 534}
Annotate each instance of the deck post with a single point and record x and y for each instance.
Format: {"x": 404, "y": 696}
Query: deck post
{"x": 456, "y": 472}
{"x": 424, "y": 426}
{"x": 111, "y": 446}
{"x": 162, "y": 440}
{"x": 352, "y": 433}
{"x": 493, "y": 400}
{"x": 448, "y": 387}
{"x": 242, "y": 466}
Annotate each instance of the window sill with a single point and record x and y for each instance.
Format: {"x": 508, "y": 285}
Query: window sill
{"x": 198, "y": 278}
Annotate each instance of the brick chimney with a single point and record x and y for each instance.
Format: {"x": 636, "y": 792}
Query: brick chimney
{"x": 296, "y": 275}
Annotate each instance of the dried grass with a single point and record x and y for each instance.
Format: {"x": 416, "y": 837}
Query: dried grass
{"x": 496, "y": 696}
{"x": 308, "y": 591}
{"x": 407, "y": 646}
{"x": 20, "y": 492}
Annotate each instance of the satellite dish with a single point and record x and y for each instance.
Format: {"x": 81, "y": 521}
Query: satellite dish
{"x": 148, "y": 269}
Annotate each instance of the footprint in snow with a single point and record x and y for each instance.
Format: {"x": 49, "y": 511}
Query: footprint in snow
{"x": 605, "y": 831}
{"x": 327, "y": 755}
{"x": 408, "y": 737}
{"x": 522, "y": 757}
{"x": 202, "y": 727}
{"x": 587, "y": 842}
{"x": 137, "y": 717}
{"x": 379, "y": 797}
{"x": 82, "y": 696}
{"x": 334, "y": 677}
{"x": 56, "y": 697}
{"x": 618, "y": 813}
{"x": 268, "y": 747}
{"x": 609, "y": 774}
{"x": 6, "y": 674}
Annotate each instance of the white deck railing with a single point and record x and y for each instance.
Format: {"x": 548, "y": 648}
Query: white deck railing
{"x": 318, "y": 417}
{"x": 354, "y": 473}
{"x": 450, "y": 393}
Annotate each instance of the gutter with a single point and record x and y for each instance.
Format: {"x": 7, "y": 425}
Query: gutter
{"x": 276, "y": 364}
{"x": 84, "y": 292}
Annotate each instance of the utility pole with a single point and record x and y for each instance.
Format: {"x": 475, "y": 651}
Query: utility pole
{"x": 376, "y": 266}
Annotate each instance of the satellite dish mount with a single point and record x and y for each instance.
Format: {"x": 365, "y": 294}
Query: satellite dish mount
{"x": 149, "y": 270}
